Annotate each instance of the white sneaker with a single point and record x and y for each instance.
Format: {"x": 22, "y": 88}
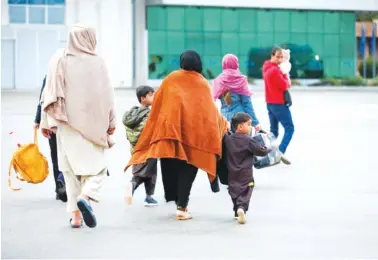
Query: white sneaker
{"x": 283, "y": 158}
{"x": 241, "y": 216}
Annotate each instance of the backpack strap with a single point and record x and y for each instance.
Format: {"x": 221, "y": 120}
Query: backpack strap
{"x": 9, "y": 177}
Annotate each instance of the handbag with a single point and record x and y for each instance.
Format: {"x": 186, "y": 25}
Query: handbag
{"x": 287, "y": 98}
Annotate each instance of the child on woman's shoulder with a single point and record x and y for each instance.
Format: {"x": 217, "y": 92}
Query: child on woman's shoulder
{"x": 241, "y": 149}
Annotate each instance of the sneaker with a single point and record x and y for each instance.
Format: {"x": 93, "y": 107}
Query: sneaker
{"x": 129, "y": 193}
{"x": 150, "y": 202}
{"x": 283, "y": 158}
{"x": 241, "y": 216}
{"x": 61, "y": 193}
{"x": 236, "y": 216}
{"x": 183, "y": 215}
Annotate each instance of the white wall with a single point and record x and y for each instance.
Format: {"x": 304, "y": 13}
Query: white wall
{"x": 353, "y": 5}
{"x": 34, "y": 44}
{"x": 113, "y": 22}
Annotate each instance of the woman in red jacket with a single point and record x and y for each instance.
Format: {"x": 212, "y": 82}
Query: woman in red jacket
{"x": 276, "y": 83}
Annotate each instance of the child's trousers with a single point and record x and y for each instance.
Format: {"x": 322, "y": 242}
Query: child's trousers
{"x": 242, "y": 201}
{"x": 149, "y": 184}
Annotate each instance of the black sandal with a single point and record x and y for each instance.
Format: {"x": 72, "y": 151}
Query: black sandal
{"x": 87, "y": 212}
{"x": 76, "y": 226}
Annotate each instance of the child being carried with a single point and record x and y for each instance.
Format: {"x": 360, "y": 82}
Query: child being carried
{"x": 134, "y": 121}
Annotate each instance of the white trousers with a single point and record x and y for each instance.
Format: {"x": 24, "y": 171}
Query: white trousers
{"x": 84, "y": 185}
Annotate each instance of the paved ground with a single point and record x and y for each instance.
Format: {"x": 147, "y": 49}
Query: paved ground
{"x": 323, "y": 206}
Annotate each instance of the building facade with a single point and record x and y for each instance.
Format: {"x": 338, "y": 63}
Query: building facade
{"x": 141, "y": 40}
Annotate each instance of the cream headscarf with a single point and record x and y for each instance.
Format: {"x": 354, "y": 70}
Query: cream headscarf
{"x": 78, "y": 91}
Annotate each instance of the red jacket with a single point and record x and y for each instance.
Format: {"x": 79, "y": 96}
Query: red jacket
{"x": 276, "y": 83}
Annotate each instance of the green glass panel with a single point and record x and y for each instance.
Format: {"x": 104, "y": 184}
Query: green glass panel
{"x": 247, "y": 20}
{"x": 347, "y": 22}
{"x": 157, "y": 42}
{"x": 212, "y": 66}
{"x": 265, "y": 21}
{"x": 316, "y": 41}
{"x": 175, "y": 18}
{"x": 331, "y": 45}
{"x": 281, "y": 38}
{"x": 175, "y": 42}
{"x": 194, "y": 41}
{"x": 243, "y": 64}
{"x": 331, "y": 22}
{"x": 298, "y": 38}
{"x": 212, "y": 42}
{"x": 230, "y": 20}
{"x": 331, "y": 66}
{"x": 230, "y": 43}
{"x": 266, "y": 40}
{"x": 315, "y": 22}
{"x": 212, "y": 19}
{"x": 298, "y": 21}
{"x": 156, "y": 18}
{"x": 347, "y": 45}
{"x": 193, "y": 19}
{"x": 173, "y": 63}
{"x": 247, "y": 41}
{"x": 282, "y": 21}
{"x": 347, "y": 67}
{"x": 157, "y": 67}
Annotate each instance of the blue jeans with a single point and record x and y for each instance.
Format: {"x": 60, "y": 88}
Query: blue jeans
{"x": 281, "y": 114}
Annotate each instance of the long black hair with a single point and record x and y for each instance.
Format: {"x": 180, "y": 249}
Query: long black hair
{"x": 191, "y": 60}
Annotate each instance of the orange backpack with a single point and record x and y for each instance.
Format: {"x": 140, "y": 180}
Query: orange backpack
{"x": 29, "y": 164}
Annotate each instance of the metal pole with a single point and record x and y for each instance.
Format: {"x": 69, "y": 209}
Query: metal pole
{"x": 373, "y": 49}
{"x": 134, "y": 42}
{"x": 362, "y": 48}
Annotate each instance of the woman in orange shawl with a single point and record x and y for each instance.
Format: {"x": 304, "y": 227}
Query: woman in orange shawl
{"x": 184, "y": 130}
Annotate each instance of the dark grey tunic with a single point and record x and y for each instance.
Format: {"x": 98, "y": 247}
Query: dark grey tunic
{"x": 240, "y": 151}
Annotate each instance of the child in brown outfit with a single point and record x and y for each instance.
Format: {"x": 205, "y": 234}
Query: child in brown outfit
{"x": 241, "y": 149}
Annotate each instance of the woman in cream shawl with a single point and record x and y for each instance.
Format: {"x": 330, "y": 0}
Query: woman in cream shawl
{"x": 78, "y": 104}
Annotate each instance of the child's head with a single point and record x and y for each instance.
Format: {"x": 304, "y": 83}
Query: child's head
{"x": 242, "y": 123}
{"x": 286, "y": 55}
{"x": 145, "y": 95}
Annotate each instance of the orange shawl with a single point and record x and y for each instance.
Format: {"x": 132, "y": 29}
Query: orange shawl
{"x": 184, "y": 123}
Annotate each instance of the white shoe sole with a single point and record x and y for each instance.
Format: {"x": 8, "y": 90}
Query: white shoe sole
{"x": 285, "y": 160}
{"x": 186, "y": 216}
{"x": 241, "y": 216}
{"x": 151, "y": 205}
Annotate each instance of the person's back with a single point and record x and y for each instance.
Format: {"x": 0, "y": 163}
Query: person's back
{"x": 135, "y": 121}
{"x": 231, "y": 87}
{"x": 240, "y": 150}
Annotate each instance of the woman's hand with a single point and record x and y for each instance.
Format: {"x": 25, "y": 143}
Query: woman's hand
{"x": 111, "y": 131}
{"x": 258, "y": 128}
{"x": 46, "y": 133}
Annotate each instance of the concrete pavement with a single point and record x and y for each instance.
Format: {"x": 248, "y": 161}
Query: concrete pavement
{"x": 323, "y": 206}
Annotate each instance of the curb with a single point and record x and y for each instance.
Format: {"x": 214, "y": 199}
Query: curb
{"x": 253, "y": 88}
